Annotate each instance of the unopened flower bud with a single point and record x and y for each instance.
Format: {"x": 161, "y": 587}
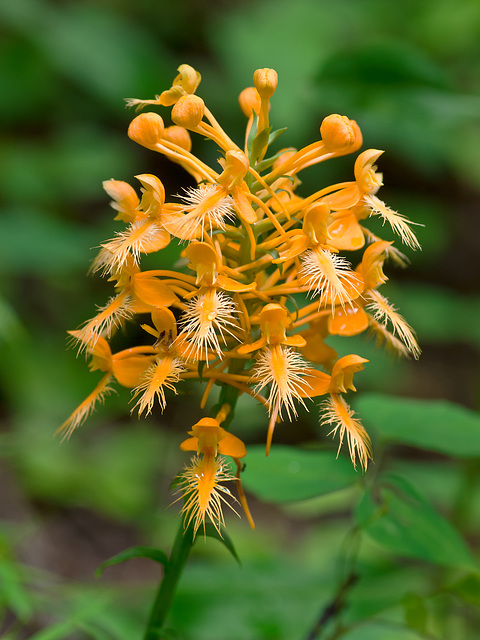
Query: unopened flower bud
{"x": 146, "y": 129}
{"x": 249, "y": 100}
{"x": 337, "y": 132}
{"x": 265, "y": 81}
{"x": 188, "y": 111}
{"x": 179, "y": 136}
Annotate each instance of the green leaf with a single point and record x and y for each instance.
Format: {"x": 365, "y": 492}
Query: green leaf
{"x": 424, "y": 305}
{"x": 266, "y": 163}
{"x": 385, "y": 63}
{"x": 436, "y": 425}
{"x": 252, "y": 134}
{"x": 295, "y": 474}
{"x": 93, "y": 630}
{"x": 58, "y": 631}
{"x": 468, "y": 588}
{"x": 396, "y": 516}
{"x": 259, "y": 143}
{"x": 11, "y": 328}
{"x": 274, "y": 135}
{"x": 134, "y": 552}
{"x": 415, "y": 612}
{"x": 294, "y": 302}
{"x": 274, "y": 253}
{"x": 224, "y": 538}
{"x": 13, "y": 593}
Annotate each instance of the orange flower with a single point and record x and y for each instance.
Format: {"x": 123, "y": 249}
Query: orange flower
{"x": 138, "y": 292}
{"x": 145, "y": 233}
{"x": 125, "y": 367}
{"x": 203, "y": 481}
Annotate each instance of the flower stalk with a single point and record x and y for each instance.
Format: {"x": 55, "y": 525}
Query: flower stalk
{"x": 166, "y": 590}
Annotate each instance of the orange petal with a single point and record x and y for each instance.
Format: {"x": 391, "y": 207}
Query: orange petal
{"x": 154, "y": 195}
{"x": 243, "y": 207}
{"x": 252, "y": 346}
{"x": 317, "y": 350}
{"x": 129, "y": 370}
{"x": 345, "y": 233}
{"x": 317, "y": 383}
{"x": 367, "y": 179}
{"x": 371, "y": 267}
{"x": 208, "y": 432}
{"x": 138, "y": 307}
{"x": 236, "y": 167}
{"x": 273, "y": 320}
{"x": 295, "y": 341}
{"x": 296, "y": 245}
{"x": 348, "y": 321}
{"x": 229, "y": 284}
{"x": 190, "y": 444}
{"x": 342, "y": 373}
{"x": 161, "y": 240}
{"x": 152, "y": 291}
{"x": 101, "y": 355}
{"x": 201, "y": 253}
{"x": 82, "y": 412}
{"x": 125, "y": 199}
{"x": 315, "y": 222}
{"x": 343, "y": 199}
{"x": 230, "y": 445}
{"x": 165, "y": 323}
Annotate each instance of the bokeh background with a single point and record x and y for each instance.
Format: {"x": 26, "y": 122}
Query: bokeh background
{"x": 409, "y": 73}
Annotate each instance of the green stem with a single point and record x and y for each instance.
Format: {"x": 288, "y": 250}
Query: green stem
{"x": 173, "y": 571}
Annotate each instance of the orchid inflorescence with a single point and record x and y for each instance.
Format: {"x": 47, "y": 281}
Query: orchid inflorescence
{"x": 260, "y": 286}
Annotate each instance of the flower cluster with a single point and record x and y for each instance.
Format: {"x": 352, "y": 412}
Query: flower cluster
{"x": 260, "y": 286}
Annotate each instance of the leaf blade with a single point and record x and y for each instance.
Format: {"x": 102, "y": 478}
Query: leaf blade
{"x": 134, "y": 552}
{"x": 292, "y": 474}
{"x": 407, "y": 524}
{"x": 436, "y": 425}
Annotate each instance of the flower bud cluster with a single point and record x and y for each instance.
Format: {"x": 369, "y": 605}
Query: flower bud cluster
{"x": 263, "y": 284}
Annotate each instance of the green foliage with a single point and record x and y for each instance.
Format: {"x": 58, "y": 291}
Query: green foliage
{"x": 415, "y": 612}
{"x": 398, "y": 517}
{"x": 435, "y": 314}
{"x": 222, "y": 537}
{"x": 468, "y": 588}
{"x": 134, "y": 552}
{"x": 426, "y": 424}
{"x": 14, "y": 593}
{"x": 290, "y": 473}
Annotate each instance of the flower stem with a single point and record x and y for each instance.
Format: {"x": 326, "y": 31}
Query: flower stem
{"x": 173, "y": 571}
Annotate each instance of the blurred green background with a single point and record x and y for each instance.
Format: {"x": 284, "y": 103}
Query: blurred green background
{"x": 409, "y": 73}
